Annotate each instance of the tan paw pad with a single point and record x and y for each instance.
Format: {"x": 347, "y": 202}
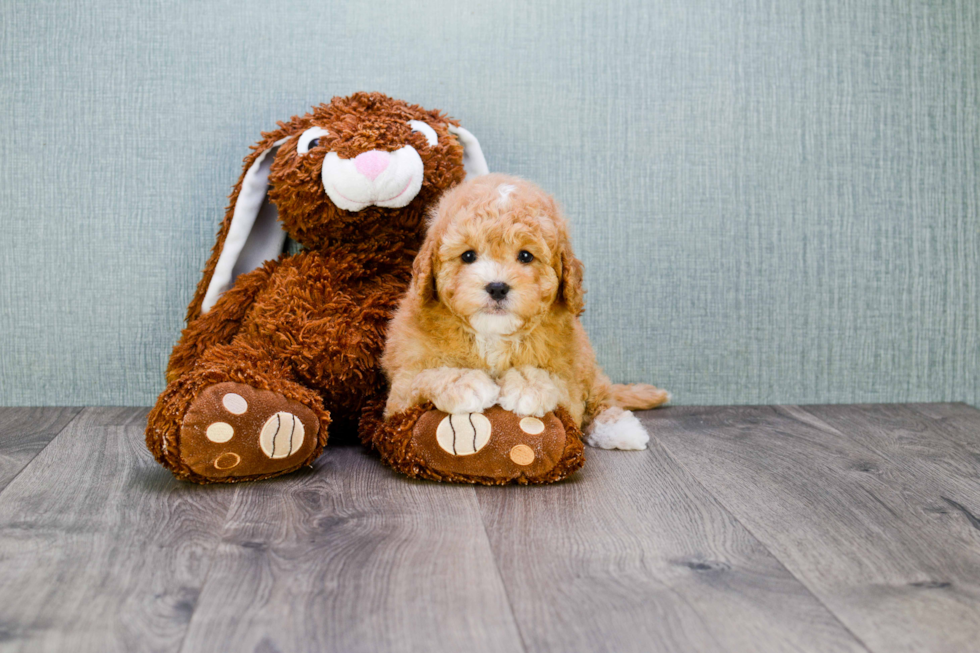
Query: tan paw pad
{"x": 463, "y": 434}
{"x": 281, "y": 435}
{"x": 220, "y": 432}
{"x": 532, "y": 425}
{"x": 522, "y": 454}
{"x": 227, "y": 460}
{"x": 234, "y": 403}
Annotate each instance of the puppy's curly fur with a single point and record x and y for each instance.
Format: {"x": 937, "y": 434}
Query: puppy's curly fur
{"x": 492, "y": 317}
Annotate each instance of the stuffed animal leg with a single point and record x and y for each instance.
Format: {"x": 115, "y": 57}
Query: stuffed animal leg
{"x": 493, "y": 447}
{"x": 231, "y": 423}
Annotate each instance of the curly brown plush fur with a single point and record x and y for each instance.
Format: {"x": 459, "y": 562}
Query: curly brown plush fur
{"x": 307, "y": 327}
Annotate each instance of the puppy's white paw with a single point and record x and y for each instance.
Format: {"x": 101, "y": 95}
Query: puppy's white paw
{"x": 615, "y": 428}
{"x": 529, "y": 391}
{"x": 466, "y": 391}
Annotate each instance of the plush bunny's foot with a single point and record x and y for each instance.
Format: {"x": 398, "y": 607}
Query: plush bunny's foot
{"x": 493, "y": 447}
{"x": 234, "y": 432}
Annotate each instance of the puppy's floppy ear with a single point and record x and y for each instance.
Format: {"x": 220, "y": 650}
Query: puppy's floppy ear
{"x": 423, "y": 287}
{"x": 570, "y": 290}
{"x": 251, "y": 232}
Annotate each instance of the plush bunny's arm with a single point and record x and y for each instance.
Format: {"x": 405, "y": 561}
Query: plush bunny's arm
{"x": 221, "y": 323}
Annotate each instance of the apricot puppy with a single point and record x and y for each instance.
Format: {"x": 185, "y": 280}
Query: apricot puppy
{"x": 492, "y": 317}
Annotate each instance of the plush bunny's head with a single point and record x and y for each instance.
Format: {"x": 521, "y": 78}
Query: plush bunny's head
{"x": 364, "y": 168}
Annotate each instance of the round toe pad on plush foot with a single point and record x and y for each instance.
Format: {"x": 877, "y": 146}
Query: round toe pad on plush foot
{"x": 233, "y": 431}
{"x": 494, "y": 446}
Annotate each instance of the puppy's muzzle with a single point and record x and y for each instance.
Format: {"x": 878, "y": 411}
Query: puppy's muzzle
{"x": 497, "y": 290}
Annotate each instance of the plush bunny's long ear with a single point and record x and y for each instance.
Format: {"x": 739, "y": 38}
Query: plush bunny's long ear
{"x": 253, "y": 235}
{"x": 473, "y": 161}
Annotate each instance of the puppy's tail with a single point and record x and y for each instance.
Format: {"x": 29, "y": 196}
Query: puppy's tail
{"x": 637, "y": 396}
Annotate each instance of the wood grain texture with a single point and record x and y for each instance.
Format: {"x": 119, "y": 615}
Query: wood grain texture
{"x": 847, "y": 499}
{"x": 936, "y": 462}
{"x": 634, "y": 555}
{"x": 826, "y": 528}
{"x": 24, "y": 432}
{"x": 956, "y": 425}
{"x": 100, "y": 548}
{"x": 350, "y": 557}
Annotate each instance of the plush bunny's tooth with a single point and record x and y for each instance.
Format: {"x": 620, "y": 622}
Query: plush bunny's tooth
{"x": 255, "y": 234}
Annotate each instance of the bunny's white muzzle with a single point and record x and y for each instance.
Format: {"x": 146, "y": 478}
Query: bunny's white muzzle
{"x": 387, "y": 179}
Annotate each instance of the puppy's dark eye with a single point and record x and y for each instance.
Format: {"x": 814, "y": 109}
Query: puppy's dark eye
{"x": 525, "y": 256}
{"x": 314, "y": 143}
{"x": 468, "y": 256}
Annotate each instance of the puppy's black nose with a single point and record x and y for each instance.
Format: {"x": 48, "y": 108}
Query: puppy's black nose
{"x": 498, "y": 290}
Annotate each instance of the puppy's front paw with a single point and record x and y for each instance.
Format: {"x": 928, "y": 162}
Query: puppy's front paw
{"x": 529, "y": 391}
{"x": 465, "y": 391}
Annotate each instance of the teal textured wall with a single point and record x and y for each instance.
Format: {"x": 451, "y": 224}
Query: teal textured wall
{"x": 776, "y": 201}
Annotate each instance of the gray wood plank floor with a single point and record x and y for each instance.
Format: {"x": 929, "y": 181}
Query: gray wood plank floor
{"x": 818, "y": 528}
{"x": 847, "y": 498}
{"x": 24, "y": 432}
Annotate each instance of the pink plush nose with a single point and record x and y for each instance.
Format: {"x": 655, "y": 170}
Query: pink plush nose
{"x": 371, "y": 164}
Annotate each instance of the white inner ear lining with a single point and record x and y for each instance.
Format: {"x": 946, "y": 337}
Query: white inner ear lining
{"x": 473, "y": 161}
{"x": 426, "y": 130}
{"x": 248, "y": 208}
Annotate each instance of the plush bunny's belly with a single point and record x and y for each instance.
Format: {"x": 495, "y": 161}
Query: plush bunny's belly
{"x": 326, "y": 319}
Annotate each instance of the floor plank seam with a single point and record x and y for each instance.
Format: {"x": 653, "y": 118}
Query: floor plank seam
{"x": 775, "y": 557}
{"x": 500, "y": 576}
{"x": 81, "y": 411}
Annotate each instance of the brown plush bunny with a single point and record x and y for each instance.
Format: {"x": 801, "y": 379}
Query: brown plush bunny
{"x": 279, "y": 347}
